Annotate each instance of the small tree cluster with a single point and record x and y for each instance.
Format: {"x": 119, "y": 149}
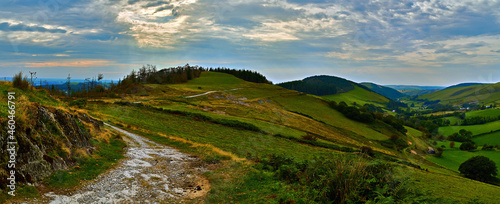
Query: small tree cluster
{"x": 462, "y": 136}
{"x": 20, "y": 81}
{"x": 149, "y": 74}
{"x": 468, "y": 146}
{"x": 353, "y": 113}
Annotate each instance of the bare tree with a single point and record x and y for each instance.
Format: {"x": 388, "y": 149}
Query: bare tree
{"x": 69, "y": 84}
{"x": 32, "y": 75}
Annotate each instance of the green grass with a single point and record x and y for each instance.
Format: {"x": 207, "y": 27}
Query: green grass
{"x": 454, "y": 187}
{"x": 453, "y": 158}
{"x": 284, "y": 112}
{"x": 244, "y": 184}
{"x": 453, "y": 120}
{"x": 489, "y": 139}
{"x": 359, "y": 96}
{"x": 447, "y": 145}
{"x": 35, "y": 95}
{"x": 212, "y": 81}
{"x": 239, "y": 142}
{"x": 106, "y": 156}
{"x": 484, "y": 113}
{"x": 475, "y": 129}
{"x": 22, "y": 191}
{"x": 265, "y": 126}
{"x": 321, "y": 112}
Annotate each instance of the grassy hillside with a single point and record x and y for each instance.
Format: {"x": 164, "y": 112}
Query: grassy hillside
{"x": 359, "y": 96}
{"x": 320, "y": 85}
{"x": 209, "y": 125}
{"x": 464, "y": 85}
{"x": 384, "y": 91}
{"x": 339, "y": 89}
{"x": 484, "y": 94}
{"x": 412, "y": 90}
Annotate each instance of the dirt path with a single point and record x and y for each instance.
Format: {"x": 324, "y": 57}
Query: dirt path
{"x": 209, "y": 92}
{"x": 151, "y": 173}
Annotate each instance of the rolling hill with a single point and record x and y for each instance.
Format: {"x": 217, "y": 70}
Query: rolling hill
{"x": 414, "y": 90}
{"x": 263, "y": 143}
{"x": 284, "y": 118}
{"x": 359, "y": 96}
{"x": 482, "y": 94}
{"x": 383, "y": 90}
{"x": 464, "y": 85}
{"x": 337, "y": 89}
{"x": 320, "y": 85}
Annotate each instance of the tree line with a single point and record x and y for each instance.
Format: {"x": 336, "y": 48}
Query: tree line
{"x": 247, "y": 75}
{"x": 310, "y": 88}
{"x": 147, "y": 74}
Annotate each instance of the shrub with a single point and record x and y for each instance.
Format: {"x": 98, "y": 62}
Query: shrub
{"x": 309, "y": 137}
{"x": 467, "y": 146}
{"x": 487, "y": 147}
{"x": 20, "y": 82}
{"x": 462, "y": 136}
{"x": 394, "y": 138}
{"x": 479, "y": 168}
{"x": 367, "y": 150}
{"x": 79, "y": 102}
{"x": 339, "y": 178}
{"x": 439, "y": 152}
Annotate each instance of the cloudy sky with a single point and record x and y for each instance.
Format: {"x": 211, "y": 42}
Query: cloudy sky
{"x": 384, "y": 41}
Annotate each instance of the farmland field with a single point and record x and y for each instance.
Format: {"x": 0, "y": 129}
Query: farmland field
{"x": 475, "y": 129}
{"x": 489, "y": 139}
{"x": 488, "y": 112}
{"x": 453, "y": 158}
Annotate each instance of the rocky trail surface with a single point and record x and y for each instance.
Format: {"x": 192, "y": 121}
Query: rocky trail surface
{"x": 150, "y": 173}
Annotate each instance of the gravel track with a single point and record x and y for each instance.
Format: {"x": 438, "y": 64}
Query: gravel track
{"x": 150, "y": 173}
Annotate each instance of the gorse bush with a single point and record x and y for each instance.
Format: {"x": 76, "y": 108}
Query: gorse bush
{"x": 20, "y": 82}
{"x": 339, "y": 178}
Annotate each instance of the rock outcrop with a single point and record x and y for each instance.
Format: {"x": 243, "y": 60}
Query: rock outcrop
{"x": 48, "y": 140}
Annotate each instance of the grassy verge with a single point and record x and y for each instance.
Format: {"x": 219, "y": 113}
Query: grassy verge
{"x": 106, "y": 155}
{"x": 22, "y": 191}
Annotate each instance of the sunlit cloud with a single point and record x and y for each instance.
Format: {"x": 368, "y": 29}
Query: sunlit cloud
{"x": 360, "y": 39}
{"x": 71, "y": 63}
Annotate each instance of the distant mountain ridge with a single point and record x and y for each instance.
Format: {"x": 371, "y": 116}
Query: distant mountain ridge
{"x": 413, "y": 87}
{"x": 464, "y": 85}
{"x": 415, "y": 90}
{"x": 383, "y": 90}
